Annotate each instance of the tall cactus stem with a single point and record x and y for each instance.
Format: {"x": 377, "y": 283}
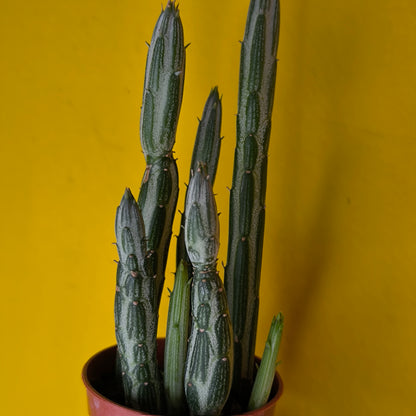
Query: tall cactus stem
{"x": 162, "y": 98}
{"x": 247, "y": 197}
{"x": 141, "y": 274}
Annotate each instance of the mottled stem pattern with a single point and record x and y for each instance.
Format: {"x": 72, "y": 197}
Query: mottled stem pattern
{"x": 162, "y": 99}
{"x": 157, "y": 202}
{"x": 247, "y": 198}
{"x": 141, "y": 271}
{"x": 210, "y": 354}
{"x": 206, "y": 151}
{"x": 136, "y": 312}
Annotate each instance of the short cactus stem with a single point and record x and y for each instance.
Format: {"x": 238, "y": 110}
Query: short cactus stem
{"x": 247, "y": 197}
{"x": 210, "y": 351}
{"x": 206, "y": 151}
{"x": 208, "y": 137}
{"x": 266, "y": 372}
{"x": 136, "y": 313}
{"x": 163, "y": 85}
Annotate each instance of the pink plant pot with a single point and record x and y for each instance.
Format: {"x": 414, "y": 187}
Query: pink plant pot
{"x": 103, "y": 398}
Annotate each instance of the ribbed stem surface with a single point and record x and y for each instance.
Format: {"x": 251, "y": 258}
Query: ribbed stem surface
{"x": 136, "y": 312}
{"x": 247, "y": 198}
{"x": 266, "y": 372}
{"x": 210, "y": 354}
{"x": 162, "y": 99}
{"x": 206, "y": 151}
{"x": 177, "y": 343}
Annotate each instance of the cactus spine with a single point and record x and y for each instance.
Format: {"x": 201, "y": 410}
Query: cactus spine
{"x": 210, "y": 359}
{"x": 135, "y": 312}
{"x": 247, "y": 198}
{"x": 162, "y": 98}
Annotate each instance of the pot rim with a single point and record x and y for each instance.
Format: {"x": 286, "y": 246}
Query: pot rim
{"x": 91, "y": 389}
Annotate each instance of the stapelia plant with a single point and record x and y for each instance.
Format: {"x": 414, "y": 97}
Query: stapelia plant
{"x": 211, "y": 329}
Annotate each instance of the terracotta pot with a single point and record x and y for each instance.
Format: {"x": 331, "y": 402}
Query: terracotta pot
{"x": 104, "y": 399}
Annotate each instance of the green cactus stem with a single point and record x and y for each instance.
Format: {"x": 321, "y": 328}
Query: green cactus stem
{"x": 162, "y": 98}
{"x": 206, "y": 151}
{"x": 210, "y": 354}
{"x": 177, "y": 342}
{"x": 208, "y": 137}
{"x": 247, "y": 198}
{"x": 136, "y": 312}
{"x": 265, "y": 374}
{"x": 163, "y": 85}
{"x": 157, "y": 203}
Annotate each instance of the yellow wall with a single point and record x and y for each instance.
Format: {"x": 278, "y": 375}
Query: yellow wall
{"x": 340, "y": 242}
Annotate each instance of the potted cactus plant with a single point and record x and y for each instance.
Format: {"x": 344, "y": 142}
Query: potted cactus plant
{"x": 206, "y": 364}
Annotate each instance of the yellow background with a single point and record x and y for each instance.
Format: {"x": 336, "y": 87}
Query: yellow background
{"x": 340, "y": 243}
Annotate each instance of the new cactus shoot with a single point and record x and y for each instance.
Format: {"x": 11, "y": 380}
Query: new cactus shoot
{"x": 177, "y": 342}
{"x": 265, "y": 374}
